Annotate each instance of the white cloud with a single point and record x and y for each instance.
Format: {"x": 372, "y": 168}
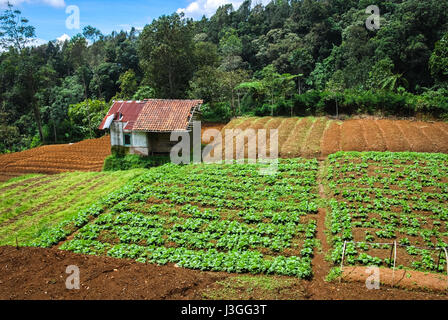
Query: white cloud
{"x": 36, "y": 42}
{"x": 55, "y": 3}
{"x": 64, "y": 37}
{"x": 52, "y": 3}
{"x": 198, "y": 8}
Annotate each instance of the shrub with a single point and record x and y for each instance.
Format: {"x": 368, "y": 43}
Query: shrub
{"x": 118, "y": 162}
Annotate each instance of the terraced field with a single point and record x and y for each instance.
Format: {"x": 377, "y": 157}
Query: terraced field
{"x": 320, "y": 137}
{"x": 207, "y": 217}
{"x": 31, "y": 204}
{"x": 213, "y": 217}
{"x": 379, "y": 208}
{"x": 87, "y": 155}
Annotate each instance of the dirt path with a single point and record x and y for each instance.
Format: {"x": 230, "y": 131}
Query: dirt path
{"x": 321, "y": 267}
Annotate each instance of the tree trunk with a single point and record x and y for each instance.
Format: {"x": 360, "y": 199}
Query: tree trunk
{"x": 54, "y": 131}
{"x": 337, "y": 108}
{"x": 233, "y": 104}
{"x": 87, "y": 102}
{"x": 239, "y": 104}
{"x": 38, "y": 122}
{"x": 170, "y": 80}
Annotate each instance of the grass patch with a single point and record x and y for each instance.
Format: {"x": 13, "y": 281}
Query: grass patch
{"x": 131, "y": 161}
{"x": 248, "y": 287}
{"x": 27, "y": 214}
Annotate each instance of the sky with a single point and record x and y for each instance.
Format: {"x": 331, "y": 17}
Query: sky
{"x": 50, "y": 17}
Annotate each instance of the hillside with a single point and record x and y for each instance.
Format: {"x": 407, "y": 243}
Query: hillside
{"x": 319, "y": 137}
{"x": 31, "y": 204}
{"x": 87, "y": 155}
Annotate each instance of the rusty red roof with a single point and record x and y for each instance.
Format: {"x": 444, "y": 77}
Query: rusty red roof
{"x": 165, "y": 115}
{"x": 127, "y": 110}
{"x": 154, "y": 115}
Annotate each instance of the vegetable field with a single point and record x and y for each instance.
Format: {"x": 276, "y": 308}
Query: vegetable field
{"x": 386, "y": 209}
{"x": 380, "y": 199}
{"x": 207, "y": 217}
{"x": 31, "y": 204}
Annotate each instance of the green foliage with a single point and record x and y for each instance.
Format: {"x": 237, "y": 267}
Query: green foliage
{"x": 86, "y": 116}
{"x": 285, "y": 58}
{"x": 217, "y": 112}
{"x": 144, "y": 92}
{"x": 334, "y": 274}
{"x": 185, "y": 215}
{"x": 165, "y": 48}
{"x": 131, "y": 161}
{"x": 438, "y": 62}
{"x": 31, "y": 206}
{"x": 14, "y": 29}
{"x": 128, "y": 85}
{"x": 398, "y": 197}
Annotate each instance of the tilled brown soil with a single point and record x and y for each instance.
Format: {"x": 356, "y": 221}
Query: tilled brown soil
{"x": 400, "y": 278}
{"x": 309, "y": 138}
{"x": 40, "y": 274}
{"x": 33, "y": 273}
{"x": 87, "y": 155}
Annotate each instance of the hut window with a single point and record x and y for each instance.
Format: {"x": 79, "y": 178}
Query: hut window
{"x": 127, "y": 139}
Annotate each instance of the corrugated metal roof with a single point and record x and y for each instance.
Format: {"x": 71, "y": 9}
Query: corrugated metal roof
{"x": 129, "y": 111}
{"x": 154, "y": 115}
{"x": 165, "y": 115}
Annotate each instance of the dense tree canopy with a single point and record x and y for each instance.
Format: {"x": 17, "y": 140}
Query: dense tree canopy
{"x": 291, "y": 57}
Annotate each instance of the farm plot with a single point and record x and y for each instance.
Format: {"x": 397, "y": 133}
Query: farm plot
{"x": 207, "y": 217}
{"x": 31, "y": 204}
{"x": 87, "y": 155}
{"x": 319, "y": 136}
{"x": 387, "y": 200}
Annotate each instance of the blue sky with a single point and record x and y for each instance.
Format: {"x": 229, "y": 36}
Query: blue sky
{"x": 49, "y": 16}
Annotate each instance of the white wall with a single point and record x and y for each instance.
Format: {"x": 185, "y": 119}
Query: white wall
{"x": 139, "y": 142}
{"x": 139, "y": 139}
{"x": 116, "y": 134}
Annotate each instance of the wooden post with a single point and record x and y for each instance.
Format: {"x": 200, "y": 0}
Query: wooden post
{"x": 342, "y": 260}
{"x": 438, "y": 260}
{"x": 446, "y": 255}
{"x": 395, "y": 261}
{"x": 391, "y": 255}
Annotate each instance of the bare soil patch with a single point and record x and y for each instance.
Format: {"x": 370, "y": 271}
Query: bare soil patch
{"x": 352, "y": 136}
{"x": 296, "y": 139}
{"x": 318, "y": 138}
{"x": 331, "y": 140}
{"x": 87, "y": 155}
{"x": 40, "y": 274}
{"x": 312, "y": 144}
{"x": 32, "y": 273}
{"x": 373, "y": 135}
{"x": 406, "y": 279}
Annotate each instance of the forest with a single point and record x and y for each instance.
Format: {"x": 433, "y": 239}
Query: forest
{"x": 288, "y": 58}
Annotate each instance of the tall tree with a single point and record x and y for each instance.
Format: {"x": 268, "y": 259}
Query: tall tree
{"x": 14, "y": 29}
{"x": 165, "y": 49}
{"x": 438, "y": 62}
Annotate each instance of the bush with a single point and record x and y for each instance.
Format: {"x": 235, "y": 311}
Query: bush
{"x": 216, "y": 112}
{"x": 131, "y": 161}
{"x": 352, "y": 102}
